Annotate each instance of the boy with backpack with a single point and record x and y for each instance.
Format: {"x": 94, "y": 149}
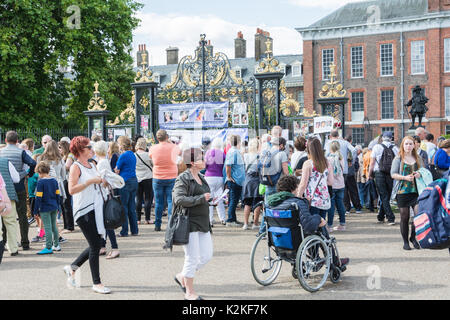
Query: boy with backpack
{"x": 380, "y": 168}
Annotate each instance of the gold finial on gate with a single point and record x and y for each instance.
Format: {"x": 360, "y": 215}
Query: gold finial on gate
{"x": 333, "y": 88}
{"x": 96, "y": 103}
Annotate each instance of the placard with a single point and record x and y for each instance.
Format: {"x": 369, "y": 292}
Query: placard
{"x": 240, "y": 114}
{"x": 193, "y": 115}
{"x": 194, "y": 137}
{"x": 323, "y": 124}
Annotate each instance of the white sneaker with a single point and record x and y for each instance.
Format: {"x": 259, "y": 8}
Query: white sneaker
{"x": 339, "y": 228}
{"x": 58, "y": 248}
{"x": 245, "y": 227}
{"x": 103, "y": 290}
{"x": 70, "y": 280}
{"x": 254, "y": 227}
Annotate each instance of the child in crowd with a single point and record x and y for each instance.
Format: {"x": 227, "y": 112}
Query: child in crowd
{"x": 32, "y": 182}
{"x": 47, "y": 204}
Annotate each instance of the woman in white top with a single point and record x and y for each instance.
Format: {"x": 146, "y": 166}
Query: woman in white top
{"x": 144, "y": 174}
{"x": 337, "y": 198}
{"x": 84, "y": 186}
{"x": 316, "y": 179}
{"x": 101, "y": 150}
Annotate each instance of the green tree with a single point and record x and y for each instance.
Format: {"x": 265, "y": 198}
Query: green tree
{"x": 38, "y": 38}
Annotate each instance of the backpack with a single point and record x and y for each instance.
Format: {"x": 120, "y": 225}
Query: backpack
{"x": 432, "y": 222}
{"x": 267, "y": 177}
{"x": 386, "y": 159}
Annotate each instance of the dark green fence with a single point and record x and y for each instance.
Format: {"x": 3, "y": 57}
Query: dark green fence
{"x": 37, "y": 134}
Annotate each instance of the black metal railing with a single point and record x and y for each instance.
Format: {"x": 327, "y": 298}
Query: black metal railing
{"x": 37, "y": 134}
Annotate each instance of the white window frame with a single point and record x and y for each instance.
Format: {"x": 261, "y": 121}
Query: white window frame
{"x": 447, "y": 101}
{"x": 299, "y": 66}
{"x": 447, "y": 55}
{"x": 393, "y": 104}
{"x": 381, "y": 60}
{"x": 238, "y": 72}
{"x": 357, "y": 115}
{"x": 283, "y": 68}
{"x": 157, "y": 77}
{"x": 324, "y": 78}
{"x": 357, "y": 66}
{"x": 418, "y": 57}
{"x": 361, "y": 132}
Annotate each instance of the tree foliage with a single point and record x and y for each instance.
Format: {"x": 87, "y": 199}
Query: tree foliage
{"x": 38, "y": 38}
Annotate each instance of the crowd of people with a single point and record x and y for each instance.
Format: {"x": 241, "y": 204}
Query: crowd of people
{"x": 66, "y": 180}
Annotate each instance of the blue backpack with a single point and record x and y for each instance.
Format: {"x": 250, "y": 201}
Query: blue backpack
{"x": 432, "y": 222}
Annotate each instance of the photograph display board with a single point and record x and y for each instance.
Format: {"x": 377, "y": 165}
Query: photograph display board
{"x": 193, "y": 115}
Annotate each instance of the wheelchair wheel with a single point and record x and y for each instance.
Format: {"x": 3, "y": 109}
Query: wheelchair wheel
{"x": 313, "y": 263}
{"x": 335, "y": 274}
{"x": 264, "y": 261}
{"x": 294, "y": 272}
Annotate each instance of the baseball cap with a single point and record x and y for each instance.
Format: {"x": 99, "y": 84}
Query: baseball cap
{"x": 388, "y": 134}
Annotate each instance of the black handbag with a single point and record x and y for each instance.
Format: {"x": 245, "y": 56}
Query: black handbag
{"x": 113, "y": 212}
{"x": 180, "y": 225}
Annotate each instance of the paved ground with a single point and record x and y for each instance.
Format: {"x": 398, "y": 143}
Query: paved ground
{"x": 145, "y": 271}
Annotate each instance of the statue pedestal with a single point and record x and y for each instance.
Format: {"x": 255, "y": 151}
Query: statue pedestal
{"x": 411, "y": 132}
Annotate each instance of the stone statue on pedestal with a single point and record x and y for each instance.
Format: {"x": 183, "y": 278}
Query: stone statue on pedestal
{"x": 418, "y": 107}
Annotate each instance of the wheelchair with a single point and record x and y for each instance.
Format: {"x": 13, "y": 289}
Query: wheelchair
{"x": 311, "y": 258}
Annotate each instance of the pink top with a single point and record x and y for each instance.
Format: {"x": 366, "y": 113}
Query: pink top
{"x": 164, "y": 156}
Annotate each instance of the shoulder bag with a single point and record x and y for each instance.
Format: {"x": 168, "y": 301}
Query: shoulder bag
{"x": 143, "y": 162}
{"x": 113, "y": 212}
{"x": 180, "y": 225}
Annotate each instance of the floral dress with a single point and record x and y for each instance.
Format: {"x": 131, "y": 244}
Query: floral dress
{"x": 317, "y": 190}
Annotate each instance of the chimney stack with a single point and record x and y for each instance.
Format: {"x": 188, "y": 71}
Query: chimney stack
{"x": 172, "y": 55}
{"x": 240, "y": 46}
{"x": 261, "y": 37}
{"x": 142, "y": 49}
{"x": 210, "y": 47}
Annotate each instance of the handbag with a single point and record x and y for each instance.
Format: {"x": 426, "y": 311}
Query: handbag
{"x": 180, "y": 225}
{"x": 113, "y": 211}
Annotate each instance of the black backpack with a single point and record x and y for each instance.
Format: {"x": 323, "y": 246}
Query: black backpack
{"x": 386, "y": 159}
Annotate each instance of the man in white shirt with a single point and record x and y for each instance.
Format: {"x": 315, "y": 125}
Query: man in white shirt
{"x": 383, "y": 180}
{"x": 346, "y": 147}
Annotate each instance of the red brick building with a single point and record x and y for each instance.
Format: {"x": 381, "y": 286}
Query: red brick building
{"x": 382, "y": 49}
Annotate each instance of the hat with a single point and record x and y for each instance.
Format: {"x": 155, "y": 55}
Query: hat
{"x": 388, "y": 134}
{"x": 67, "y": 139}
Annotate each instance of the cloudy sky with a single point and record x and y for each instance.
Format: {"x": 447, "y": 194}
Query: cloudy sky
{"x": 179, "y": 23}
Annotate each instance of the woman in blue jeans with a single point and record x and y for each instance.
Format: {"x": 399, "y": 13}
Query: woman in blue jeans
{"x": 126, "y": 168}
{"x": 337, "y": 198}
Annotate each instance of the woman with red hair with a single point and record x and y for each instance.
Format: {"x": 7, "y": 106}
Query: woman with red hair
{"x": 84, "y": 186}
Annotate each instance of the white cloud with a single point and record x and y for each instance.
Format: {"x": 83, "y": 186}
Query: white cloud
{"x": 327, "y": 4}
{"x": 159, "y": 32}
